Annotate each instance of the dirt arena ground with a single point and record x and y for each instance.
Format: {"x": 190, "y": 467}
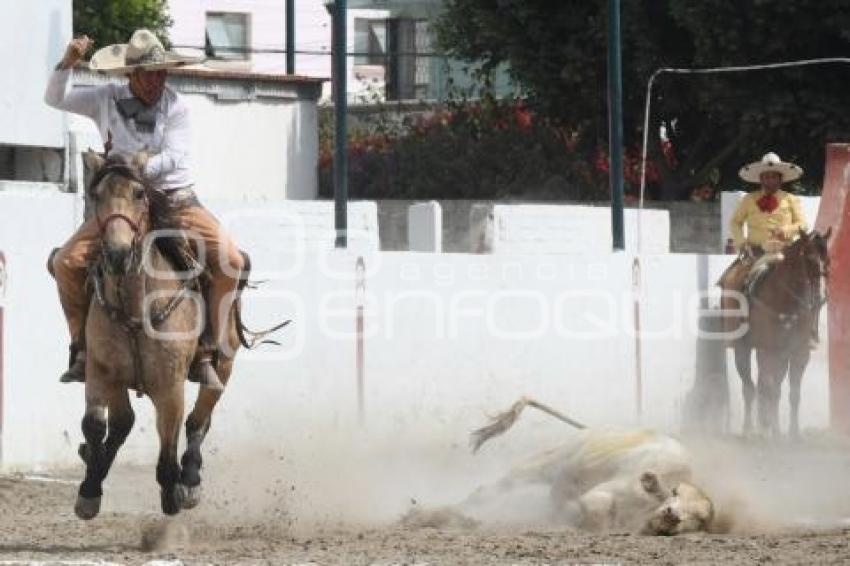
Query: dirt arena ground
{"x": 803, "y": 493}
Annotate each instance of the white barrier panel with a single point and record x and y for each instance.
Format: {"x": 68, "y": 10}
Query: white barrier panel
{"x": 729, "y": 202}
{"x": 297, "y": 226}
{"x": 449, "y": 339}
{"x": 534, "y": 229}
{"x": 425, "y": 227}
{"x": 2, "y": 344}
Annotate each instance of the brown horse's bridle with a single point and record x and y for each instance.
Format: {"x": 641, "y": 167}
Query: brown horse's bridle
{"x": 134, "y": 225}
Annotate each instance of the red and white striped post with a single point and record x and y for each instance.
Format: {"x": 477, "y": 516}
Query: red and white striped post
{"x": 834, "y": 213}
{"x": 360, "y": 357}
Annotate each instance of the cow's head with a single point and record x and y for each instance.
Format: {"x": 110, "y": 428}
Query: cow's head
{"x": 683, "y": 509}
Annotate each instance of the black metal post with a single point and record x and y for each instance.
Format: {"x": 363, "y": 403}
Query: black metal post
{"x": 290, "y": 37}
{"x": 615, "y": 123}
{"x": 339, "y": 74}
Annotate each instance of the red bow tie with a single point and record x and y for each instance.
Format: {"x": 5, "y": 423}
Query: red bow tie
{"x": 767, "y": 203}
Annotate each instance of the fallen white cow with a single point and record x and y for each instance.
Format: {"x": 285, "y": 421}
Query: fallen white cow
{"x": 634, "y": 480}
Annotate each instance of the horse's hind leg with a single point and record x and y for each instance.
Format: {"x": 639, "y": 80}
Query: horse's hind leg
{"x": 116, "y": 417}
{"x": 799, "y": 361}
{"x": 743, "y": 363}
{"x": 169, "y": 415}
{"x": 197, "y": 426}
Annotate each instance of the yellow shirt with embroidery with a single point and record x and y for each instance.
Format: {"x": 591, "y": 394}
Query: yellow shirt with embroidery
{"x": 787, "y": 217}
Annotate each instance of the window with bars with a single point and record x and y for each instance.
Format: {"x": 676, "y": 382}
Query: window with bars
{"x": 395, "y": 51}
{"x": 370, "y": 41}
{"x": 228, "y": 36}
{"x": 422, "y": 74}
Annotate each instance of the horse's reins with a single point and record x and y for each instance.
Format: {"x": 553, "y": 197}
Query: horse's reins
{"x": 788, "y": 318}
{"x": 133, "y": 326}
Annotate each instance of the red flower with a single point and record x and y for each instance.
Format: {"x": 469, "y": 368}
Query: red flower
{"x": 523, "y": 117}
{"x": 669, "y": 154}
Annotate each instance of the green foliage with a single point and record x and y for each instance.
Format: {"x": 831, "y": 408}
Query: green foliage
{"x": 487, "y": 150}
{"x": 114, "y": 21}
{"x": 558, "y": 52}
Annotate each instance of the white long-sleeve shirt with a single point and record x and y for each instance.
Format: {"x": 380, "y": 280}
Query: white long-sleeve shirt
{"x": 168, "y": 143}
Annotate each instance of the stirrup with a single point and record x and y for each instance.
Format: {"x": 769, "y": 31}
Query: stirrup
{"x": 204, "y": 373}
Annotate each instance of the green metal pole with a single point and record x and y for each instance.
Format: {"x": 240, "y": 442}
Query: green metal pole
{"x": 341, "y": 116}
{"x": 290, "y": 37}
{"x": 615, "y": 123}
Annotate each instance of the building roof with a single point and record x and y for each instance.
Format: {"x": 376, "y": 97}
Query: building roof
{"x": 224, "y": 84}
{"x": 237, "y": 75}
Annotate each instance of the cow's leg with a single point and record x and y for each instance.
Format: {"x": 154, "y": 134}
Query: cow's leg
{"x": 597, "y": 508}
{"x": 743, "y": 363}
{"x": 100, "y": 449}
{"x": 169, "y": 416}
{"x": 797, "y": 365}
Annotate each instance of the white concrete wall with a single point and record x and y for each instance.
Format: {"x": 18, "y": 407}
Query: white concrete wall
{"x": 36, "y": 416}
{"x": 449, "y": 339}
{"x": 729, "y": 202}
{"x": 255, "y": 150}
{"x": 36, "y": 33}
{"x": 574, "y": 229}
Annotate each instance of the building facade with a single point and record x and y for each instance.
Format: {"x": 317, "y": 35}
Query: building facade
{"x": 392, "y": 54}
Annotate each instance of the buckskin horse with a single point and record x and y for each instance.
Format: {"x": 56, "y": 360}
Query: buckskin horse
{"x": 783, "y": 303}
{"x": 142, "y": 333}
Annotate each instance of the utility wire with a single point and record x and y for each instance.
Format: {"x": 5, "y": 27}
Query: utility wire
{"x": 274, "y": 50}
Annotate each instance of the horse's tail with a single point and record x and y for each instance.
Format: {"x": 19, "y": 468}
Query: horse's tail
{"x": 502, "y": 422}
{"x": 249, "y": 338}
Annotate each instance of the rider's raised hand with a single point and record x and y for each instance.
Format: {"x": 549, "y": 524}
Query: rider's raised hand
{"x": 75, "y": 51}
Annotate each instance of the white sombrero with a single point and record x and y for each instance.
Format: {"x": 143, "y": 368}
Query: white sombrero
{"x": 144, "y": 51}
{"x": 770, "y": 162}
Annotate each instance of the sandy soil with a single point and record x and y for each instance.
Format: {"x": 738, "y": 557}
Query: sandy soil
{"x": 258, "y": 520}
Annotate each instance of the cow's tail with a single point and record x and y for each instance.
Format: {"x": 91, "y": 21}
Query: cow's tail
{"x": 502, "y": 422}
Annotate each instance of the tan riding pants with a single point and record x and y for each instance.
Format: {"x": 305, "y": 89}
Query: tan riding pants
{"x": 221, "y": 256}
{"x": 733, "y": 279}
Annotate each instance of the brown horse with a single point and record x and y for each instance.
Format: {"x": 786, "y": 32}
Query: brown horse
{"x": 783, "y": 305}
{"x": 142, "y": 333}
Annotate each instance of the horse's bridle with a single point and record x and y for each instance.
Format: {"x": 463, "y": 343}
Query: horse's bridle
{"x": 103, "y": 223}
{"x": 126, "y": 172}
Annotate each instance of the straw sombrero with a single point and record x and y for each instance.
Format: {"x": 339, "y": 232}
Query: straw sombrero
{"x": 144, "y": 51}
{"x": 770, "y": 162}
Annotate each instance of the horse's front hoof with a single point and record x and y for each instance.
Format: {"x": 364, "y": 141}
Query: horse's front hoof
{"x": 87, "y": 508}
{"x": 171, "y": 500}
{"x": 191, "y": 496}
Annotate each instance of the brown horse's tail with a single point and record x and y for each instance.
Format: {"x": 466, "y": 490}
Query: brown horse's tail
{"x": 502, "y": 422}
{"x": 249, "y": 338}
